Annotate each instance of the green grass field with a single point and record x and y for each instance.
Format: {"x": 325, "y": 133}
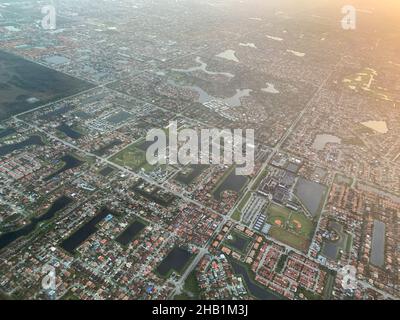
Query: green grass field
{"x": 290, "y": 227}
{"x": 300, "y": 224}
{"x": 133, "y": 158}
{"x": 238, "y": 211}
{"x": 289, "y": 238}
{"x": 277, "y": 213}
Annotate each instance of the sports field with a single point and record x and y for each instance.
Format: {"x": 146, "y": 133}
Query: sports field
{"x": 290, "y": 227}
{"x": 300, "y": 224}
{"x": 278, "y": 215}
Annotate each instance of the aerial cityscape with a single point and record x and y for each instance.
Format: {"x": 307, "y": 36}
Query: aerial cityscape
{"x": 304, "y": 206}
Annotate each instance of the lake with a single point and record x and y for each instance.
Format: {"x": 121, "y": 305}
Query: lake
{"x": 67, "y": 130}
{"x": 84, "y": 232}
{"x": 177, "y": 259}
{"x": 311, "y": 194}
{"x": 203, "y": 67}
{"x": 254, "y": 289}
{"x": 330, "y": 249}
{"x": 9, "y": 237}
{"x": 233, "y": 182}
{"x": 228, "y": 55}
{"x": 378, "y": 126}
{"x": 6, "y": 132}
{"x": 130, "y": 233}
{"x": 321, "y": 140}
{"x": 70, "y": 162}
{"x": 378, "y": 244}
{"x": 270, "y": 88}
{"x": 239, "y": 242}
{"x": 233, "y": 101}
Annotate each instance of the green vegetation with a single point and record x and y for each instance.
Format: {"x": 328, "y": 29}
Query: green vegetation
{"x": 238, "y": 211}
{"x": 133, "y": 158}
{"x": 355, "y": 141}
{"x": 4, "y": 296}
{"x": 289, "y": 238}
{"x": 191, "y": 288}
{"x": 192, "y": 285}
{"x": 301, "y": 225}
{"x": 364, "y": 82}
{"x": 349, "y": 242}
{"x": 278, "y": 215}
{"x": 182, "y": 296}
{"x": 69, "y": 295}
{"x": 290, "y": 227}
{"x": 308, "y": 294}
{"x": 330, "y": 281}
{"x": 236, "y": 215}
{"x": 340, "y": 179}
{"x": 239, "y": 242}
{"x": 281, "y": 263}
{"x": 259, "y": 179}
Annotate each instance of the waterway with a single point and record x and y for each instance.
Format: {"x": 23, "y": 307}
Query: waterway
{"x": 9, "y": 237}
{"x": 203, "y": 67}
{"x": 255, "y": 290}
{"x": 9, "y": 148}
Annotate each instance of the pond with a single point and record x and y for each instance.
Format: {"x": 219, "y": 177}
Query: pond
{"x": 67, "y": 130}
{"x": 378, "y": 126}
{"x": 321, "y": 140}
{"x": 84, "y": 232}
{"x": 255, "y": 290}
{"x": 233, "y": 182}
{"x": 70, "y": 162}
{"x": 203, "y": 67}
{"x": 6, "y": 132}
{"x": 176, "y": 260}
{"x": 228, "y": 55}
{"x": 378, "y": 244}
{"x": 311, "y": 194}
{"x": 330, "y": 249}
{"x": 130, "y": 233}
{"x": 239, "y": 242}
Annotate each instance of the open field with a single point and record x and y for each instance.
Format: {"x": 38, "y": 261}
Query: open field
{"x": 289, "y": 238}
{"x": 290, "y": 227}
{"x": 300, "y": 224}
{"x": 133, "y": 158}
{"x": 278, "y": 215}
